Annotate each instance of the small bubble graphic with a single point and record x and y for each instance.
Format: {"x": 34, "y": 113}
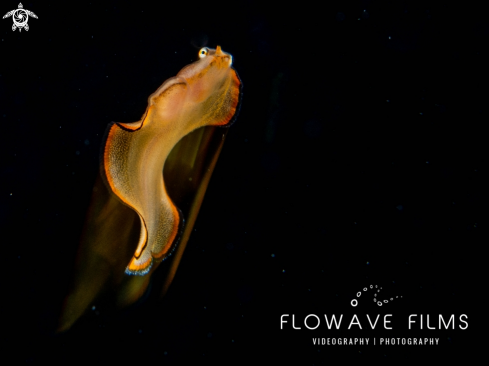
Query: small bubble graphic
{"x": 376, "y": 299}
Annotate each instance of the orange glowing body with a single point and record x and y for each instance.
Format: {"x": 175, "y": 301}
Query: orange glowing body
{"x": 132, "y": 222}
{"x": 205, "y": 93}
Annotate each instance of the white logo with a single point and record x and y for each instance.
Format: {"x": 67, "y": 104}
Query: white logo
{"x": 376, "y": 299}
{"x": 20, "y": 17}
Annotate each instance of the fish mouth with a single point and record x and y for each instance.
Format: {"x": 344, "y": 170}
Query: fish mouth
{"x": 220, "y": 53}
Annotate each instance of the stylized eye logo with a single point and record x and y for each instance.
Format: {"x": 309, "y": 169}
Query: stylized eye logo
{"x": 377, "y": 289}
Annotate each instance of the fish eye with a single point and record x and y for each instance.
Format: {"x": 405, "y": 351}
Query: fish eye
{"x": 203, "y": 52}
